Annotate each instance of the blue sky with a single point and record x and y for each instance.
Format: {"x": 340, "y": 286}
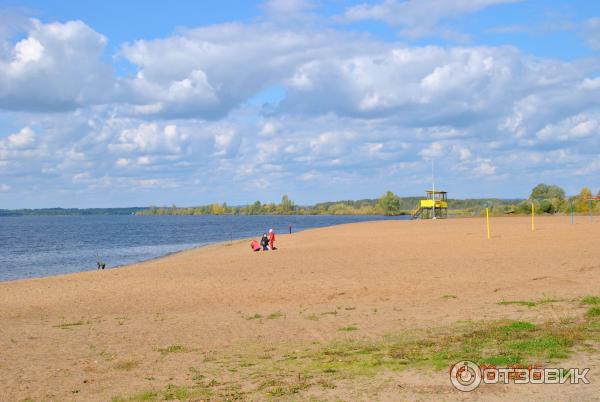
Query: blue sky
{"x": 153, "y": 103}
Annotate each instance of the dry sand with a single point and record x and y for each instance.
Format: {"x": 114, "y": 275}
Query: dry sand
{"x": 381, "y": 277}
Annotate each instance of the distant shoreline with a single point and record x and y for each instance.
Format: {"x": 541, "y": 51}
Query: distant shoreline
{"x": 363, "y": 207}
{"x": 69, "y": 211}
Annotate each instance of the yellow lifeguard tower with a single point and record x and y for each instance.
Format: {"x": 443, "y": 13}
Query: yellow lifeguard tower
{"x": 435, "y": 206}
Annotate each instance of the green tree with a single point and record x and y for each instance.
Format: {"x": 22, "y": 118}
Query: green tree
{"x": 524, "y": 207}
{"x": 389, "y": 204}
{"x": 582, "y": 203}
{"x": 286, "y": 206}
{"x": 551, "y": 198}
{"x": 254, "y": 209}
{"x": 546, "y": 207}
{"x": 269, "y": 208}
{"x": 217, "y": 209}
{"x": 544, "y": 191}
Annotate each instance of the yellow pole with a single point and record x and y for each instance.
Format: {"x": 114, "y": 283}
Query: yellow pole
{"x": 487, "y": 221}
{"x": 532, "y": 217}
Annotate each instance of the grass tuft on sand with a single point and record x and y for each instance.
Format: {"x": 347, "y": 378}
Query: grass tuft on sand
{"x": 71, "y": 325}
{"x": 593, "y": 312}
{"x": 591, "y": 300}
{"x": 173, "y": 349}
{"x": 127, "y": 365}
{"x": 312, "y": 317}
{"x": 528, "y": 303}
{"x": 275, "y": 315}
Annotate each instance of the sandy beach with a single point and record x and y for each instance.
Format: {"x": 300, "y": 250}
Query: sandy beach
{"x": 201, "y": 313}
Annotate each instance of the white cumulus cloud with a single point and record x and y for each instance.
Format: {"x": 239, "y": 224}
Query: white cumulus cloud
{"x": 150, "y": 138}
{"x": 418, "y": 18}
{"x": 22, "y": 140}
{"x": 58, "y": 66}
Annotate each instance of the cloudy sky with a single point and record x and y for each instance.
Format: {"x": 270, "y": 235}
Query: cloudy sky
{"x": 150, "y": 102}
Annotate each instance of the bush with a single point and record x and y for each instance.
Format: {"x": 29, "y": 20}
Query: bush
{"x": 389, "y": 204}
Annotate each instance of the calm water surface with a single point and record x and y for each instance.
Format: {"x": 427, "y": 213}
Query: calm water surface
{"x": 36, "y": 246}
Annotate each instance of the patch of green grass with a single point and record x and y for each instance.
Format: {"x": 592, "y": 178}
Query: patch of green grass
{"x": 325, "y": 384}
{"x": 142, "y": 396}
{"x": 121, "y": 320}
{"x": 546, "y": 345}
{"x": 198, "y": 377}
{"x": 173, "y": 349}
{"x": 275, "y": 315}
{"x": 212, "y": 383}
{"x": 501, "y": 360}
{"x": 70, "y": 325}
{"x": 501, "y": 343}
{"x": 283, "y": 389}
{"x": 209, "y": 356}
{"x": 270, "y": 383}
{"x": 171, "y": 392}
{"x": 528, "y": 303}
{"x": 107, "y": 356}
{"x": 448, "y": 297}
{"x": 546, "y": 300}
{"x": 518, "y": 326}
{"x": 127, "y": 365}
{"x": 256, "y": 316}
{"x": 196, "y": 374}
{"x": 591, "y": 300}
{"x": 593, "y": 312}
{"x": 287, "y": 371}
{"x": 174, "y": 392}
{"x": 312, "y": 317}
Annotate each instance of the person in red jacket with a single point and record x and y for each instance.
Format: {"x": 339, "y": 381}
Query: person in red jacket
{"x": 271, "y": 239}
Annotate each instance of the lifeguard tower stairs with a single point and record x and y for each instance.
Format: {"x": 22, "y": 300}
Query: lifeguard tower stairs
{"x": 435, "y": 206}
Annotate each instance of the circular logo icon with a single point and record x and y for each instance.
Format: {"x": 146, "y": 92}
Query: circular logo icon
{"x": 465, "y": 376}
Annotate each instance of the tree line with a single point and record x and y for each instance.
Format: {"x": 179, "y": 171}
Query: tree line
{"x": 549, "y": 199}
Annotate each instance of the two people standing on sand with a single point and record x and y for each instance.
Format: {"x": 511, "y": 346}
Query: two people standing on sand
{"x": 267, "y": 242}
